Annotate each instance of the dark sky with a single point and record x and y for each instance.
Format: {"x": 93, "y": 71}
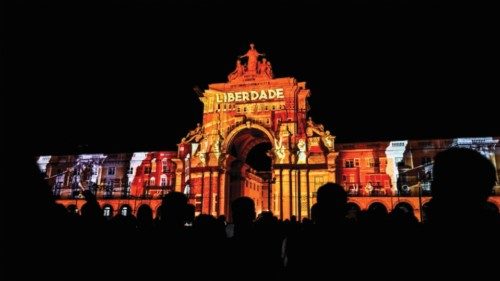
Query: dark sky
{"x": 113, "y": 76}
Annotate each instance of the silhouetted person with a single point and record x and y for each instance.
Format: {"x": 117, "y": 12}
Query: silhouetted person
{"x": 174, "y": 241}
{"x": 460, "y": 230}
{"x": 243, "y": 253}
{"x": 332, "y": 204}
{"x": 173, "y": 211}
{"x": 222, "y": 220}
{"x": 91, "y": 213}
{"x": 463, "y": 180}
{"x": 33, "y": 223}
{"x": 310, "y": 253}
{"x": 145, "y": 218}
{"x": 190, "y": 212}
{"x": 243, "y": 212}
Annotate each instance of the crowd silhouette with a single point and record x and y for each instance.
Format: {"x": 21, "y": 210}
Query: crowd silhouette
{"x": 460, "y": 234}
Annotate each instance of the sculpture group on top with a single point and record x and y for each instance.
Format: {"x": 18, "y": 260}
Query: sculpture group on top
{"x": 194, "y": 135}
{"x": 203, "y": 144}
{"x": 314, "y": 129}
{"x": 253, "y": 67}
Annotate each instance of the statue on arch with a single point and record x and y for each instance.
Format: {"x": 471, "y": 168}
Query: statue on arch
{"x": 202, "y": 156}
{"x": 313, "y": 128}
{"x": 265, "y": 68}
{"x": 328, "y": 140}
{"x": 253, "y": 56}
{"x": 279, "y": 149}
{"x": 194, "y": 135}
{"x": 301, "y": 152}
{"x": 238, "y": 71}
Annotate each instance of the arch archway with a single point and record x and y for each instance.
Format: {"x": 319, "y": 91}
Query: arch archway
{"x": 243, "y": 127}
{"x": 248, "y": 164}
{"x": 404, "y": 206}
{"x": 353, "y": 210}
{"x": 378, "y": 208}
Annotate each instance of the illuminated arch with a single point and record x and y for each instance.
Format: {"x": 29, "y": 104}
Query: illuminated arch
{"x": 357, "y": 202}
{"x": 353, "y": 210}
{"x": 405, "y": 205}
{"x": 379, "y": 203}
{"x": 250, "y": 125}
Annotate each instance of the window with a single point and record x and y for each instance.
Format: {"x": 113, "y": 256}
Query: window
{"x": 152, "y": 181}
{"x": 398, "y": 144}
{"x": 111, "y": 171}
{"x": 164, "y": 165}
{"x": 153, "y": 165}
{"x": 344, "y": 178}
{"x": 130, "y": 170}
{"x": 125, "y": 211}
{"x": 370, "y": 162}
{"x": 351, "y": 178}
{"x": 147, "y": 170}
{"x": 107, "y": 212}
{"x": 356, "y": 162}
{"x": 197, "y": 203}
{"x": 163, "y": 180}
{"x": 349, "y": 163}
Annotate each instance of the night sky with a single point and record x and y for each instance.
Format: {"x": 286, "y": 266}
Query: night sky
{"x": 112, "y": 77}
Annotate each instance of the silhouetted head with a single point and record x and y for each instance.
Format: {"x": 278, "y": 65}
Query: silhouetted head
{"x": 332, "y": 194}
{"x": 463, "y": 180}
{"x": 144, "y": 213}
{"x": 206, "y": 227}
{"x": 462, "y": 175}
{"x": 243, "y": 210}
{"x": 252, "y": 45}
{"x": 90, "y": 210}
{"x": 173, "y": 209}
{"x": 332, "y": 204}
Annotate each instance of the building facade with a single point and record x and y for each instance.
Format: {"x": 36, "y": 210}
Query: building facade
{"x": 211, "y": 165}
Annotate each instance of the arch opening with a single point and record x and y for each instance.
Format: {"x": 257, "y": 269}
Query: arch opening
{"x": 250, "y": 167}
